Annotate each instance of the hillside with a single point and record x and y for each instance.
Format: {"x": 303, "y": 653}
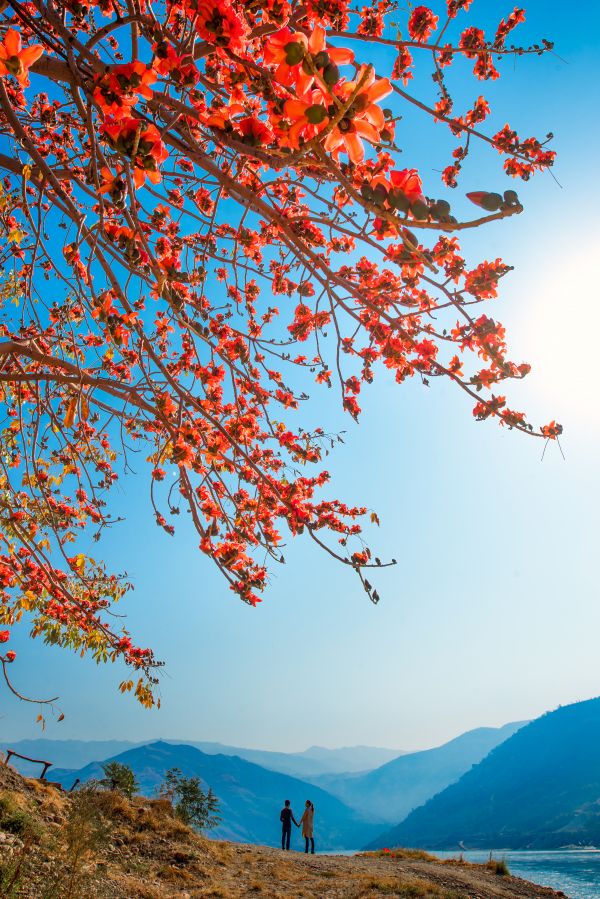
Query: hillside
{"x": 538, "y": 790}
{"x": 311, "y": 762}
{"x": 100, "y": 846}
{"x": 393, "y": 790}
{"x": 251, "y": 797}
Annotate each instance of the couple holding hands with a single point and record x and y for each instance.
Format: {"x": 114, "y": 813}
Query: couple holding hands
{"x": 287, "y": 816}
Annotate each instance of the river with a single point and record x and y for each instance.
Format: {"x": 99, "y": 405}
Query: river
{"x": 576, "y": 872}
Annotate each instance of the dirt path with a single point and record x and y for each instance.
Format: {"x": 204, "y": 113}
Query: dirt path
{"x": 280, "y": 874}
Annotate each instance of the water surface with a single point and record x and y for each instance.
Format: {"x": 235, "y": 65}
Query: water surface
{"x": 576, "y": 872}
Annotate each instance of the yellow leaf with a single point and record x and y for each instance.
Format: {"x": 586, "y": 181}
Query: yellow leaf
{"x": 26, "y": 172}
{"x": 16, "y": 236}
{"x": 28, "y": 600}
{"x": 84, "y": 408}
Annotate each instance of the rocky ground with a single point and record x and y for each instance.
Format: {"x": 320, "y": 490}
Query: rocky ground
{"x": 55, "y": 846}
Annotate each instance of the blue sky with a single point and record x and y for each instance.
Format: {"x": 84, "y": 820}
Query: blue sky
{"x": 492, "y": 612}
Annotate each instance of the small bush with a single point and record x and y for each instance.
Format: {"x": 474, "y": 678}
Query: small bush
{"x": 13, "y": 874}
{"x": 85, "y": 832}
{"x": 192, "y": 805}
{"x": 120, "y": 778}
{"x": 499, "y": 867}
{"x": 16, "y": 820}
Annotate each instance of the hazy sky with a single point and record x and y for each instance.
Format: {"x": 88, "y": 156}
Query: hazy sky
{"x": 492, "y": 612}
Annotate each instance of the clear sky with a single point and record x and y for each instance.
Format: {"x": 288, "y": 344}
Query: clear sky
{"x": 492, "y": 612}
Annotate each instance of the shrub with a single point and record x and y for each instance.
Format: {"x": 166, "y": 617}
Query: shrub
{"x": 499, "y": 867}
{"x": 119, "y": 777}
{"x": 85, "y": 832}
{"x": 15, "y": 820}
{"x": 192, "y": 805}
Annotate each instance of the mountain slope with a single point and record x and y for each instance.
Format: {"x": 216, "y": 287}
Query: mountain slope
{"x": 140, "y": 850}
{"x": 393, "y": 790}
{"x": 64, "y": 753}
{"x": 540, "y": 790}
{"x": 310, "y": 763}
{"x": 251, "y": 797}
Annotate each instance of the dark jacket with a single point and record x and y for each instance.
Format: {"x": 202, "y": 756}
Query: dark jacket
{"x": 286, "y": 817}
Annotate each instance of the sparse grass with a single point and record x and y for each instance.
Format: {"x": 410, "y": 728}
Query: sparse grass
{"x": 498, "y": 866}
{"x": 13, "y": 872}
{"x": 17, "y": 820}
{"x": 407, "y": 889}
{"x": 85, "y": 832}
{"x": 399, "y": 852}
{"x": 174, "y": 875}
{"x": 389, "y": 887}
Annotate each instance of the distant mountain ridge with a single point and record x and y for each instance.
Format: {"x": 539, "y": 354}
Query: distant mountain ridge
{"x": 311, "y": 762}
{"x": 538, "y": 790}
{"x": 391, "y": 791}
{"x": 251, "y": 797}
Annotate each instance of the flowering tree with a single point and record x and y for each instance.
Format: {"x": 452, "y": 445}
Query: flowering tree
{"x": 203, "y": 212}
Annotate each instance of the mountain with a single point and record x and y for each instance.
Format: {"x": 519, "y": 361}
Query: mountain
{"x": 342, "y": 760}
{"x": 63, "y": 753}
{"x": 391, "y": 791}
{"x": 310, "y": 763}
{"x": 538, "y": 790}
{"x": 251, "y": 797}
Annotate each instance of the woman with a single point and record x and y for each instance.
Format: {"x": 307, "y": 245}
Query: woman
{"x": 306, "y": 821}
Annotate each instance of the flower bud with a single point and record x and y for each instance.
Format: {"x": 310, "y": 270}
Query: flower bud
{"x": 294, "y": 53}
{"x": 331, "y": 74}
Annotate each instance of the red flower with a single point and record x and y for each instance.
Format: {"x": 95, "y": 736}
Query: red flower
{"x": 10, "y": 656}
{"x": 143, "y": 144}
{"x": 287, "y": 50}
{"x": 552, "y": 430}
{"x": 308, "y": 114}
{"x": 254, "y": 132}
{"x": 16, "y": 61}
{"x": 219, "y": 23}
{"x": 409, "y": 182}
{"x": 422, "y": 23}
{"x": 120, "y": 89}
{"x": 364, "y": 119}
{"x": 4, "y": 636}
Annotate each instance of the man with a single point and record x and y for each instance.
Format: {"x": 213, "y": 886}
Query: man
{"x": 286, "y": 817}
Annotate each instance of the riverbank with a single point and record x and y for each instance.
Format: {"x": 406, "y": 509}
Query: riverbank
{"x": 102, "y": 846}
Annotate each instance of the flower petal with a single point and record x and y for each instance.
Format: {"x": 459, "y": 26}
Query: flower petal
{"x": 365, "y": 129}
{"x": 341, "y": 56}
{"x": 295, "y": 108}
{"x": 317, "y": 40}
{"x": 31, "y": 54}
{"x": 12, "y": 42}
{"x": 380, "y": 89}
{"x": 355, "y": 148}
